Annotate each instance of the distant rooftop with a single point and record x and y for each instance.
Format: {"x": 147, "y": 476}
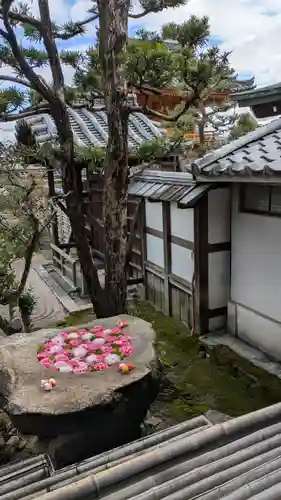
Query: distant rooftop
{"x": 248, "y": 96}
{"x": 90, "y": 127}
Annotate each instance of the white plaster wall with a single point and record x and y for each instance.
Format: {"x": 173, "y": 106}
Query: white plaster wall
{"x": 182, "y": 262}
{"x": 219, "y": 279}
{"x": 254, "y": 313}
{"x": 182, "y": 222}
{"x": 261, "y": 332}
{"x": 219, "y": 215}
{"x": 154, "y": 215}
{"x": 256, "y": 261}
{"x": 155, "y": 250}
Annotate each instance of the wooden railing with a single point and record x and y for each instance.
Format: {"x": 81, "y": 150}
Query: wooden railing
{"x": 66, "y": 266}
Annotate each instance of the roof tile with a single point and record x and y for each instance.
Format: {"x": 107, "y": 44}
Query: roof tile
{"x": 257, "y": 153}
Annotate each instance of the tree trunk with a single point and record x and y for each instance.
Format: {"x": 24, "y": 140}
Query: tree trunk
{"x": 201, "y": 129}
{"x": 113, "y": 15}
{"x": 72, "y": 186}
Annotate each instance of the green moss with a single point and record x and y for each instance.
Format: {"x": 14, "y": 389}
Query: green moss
{"x": 219, "y": 380}
{"x": 76, "y": 318}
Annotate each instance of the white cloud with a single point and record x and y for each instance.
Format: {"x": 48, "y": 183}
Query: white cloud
{"x": 251, "y": 29}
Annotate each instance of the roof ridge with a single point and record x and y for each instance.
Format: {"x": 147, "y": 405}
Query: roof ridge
{"x": 233, "y": 146}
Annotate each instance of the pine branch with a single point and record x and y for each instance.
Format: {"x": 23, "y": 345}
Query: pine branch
{"x": 63, "y": 34}
{"x": 37, "y": 83}
{"x": 33, "y": 110}
{"x": 19, "y": 81}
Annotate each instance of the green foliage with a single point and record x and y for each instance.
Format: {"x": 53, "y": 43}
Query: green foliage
{"x": 155, "y": 149}
{"x": 92, "y": 157}
{"x": 150, "y": 63}
{"x": 246, "y": 123}
{"x": 192, "y": 33}
{"x": 27, "y": 302}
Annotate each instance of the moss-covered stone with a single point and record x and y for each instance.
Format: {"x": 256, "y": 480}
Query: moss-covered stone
{"x": 199, "y": 380}
{"x": 219, "y": 380}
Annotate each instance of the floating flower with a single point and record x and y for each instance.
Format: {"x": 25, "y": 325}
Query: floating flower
{"x": 56, "y": 349}
{"x": 86, "y": 336}
{"x": 80, "y": 368}
{"x": 99, "y": 341}
{"x": 74, "y": 342}
{"x": 100, "y": 366}
{"x": 111, "y": 359}
{"x": 85, "y": 350}
{"x": 73, "y": 335}
{"x": 92, "y": 358}
{"x": 79, "y": 352}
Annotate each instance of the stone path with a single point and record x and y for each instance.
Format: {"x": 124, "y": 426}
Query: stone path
{"x": 48, "y": 309}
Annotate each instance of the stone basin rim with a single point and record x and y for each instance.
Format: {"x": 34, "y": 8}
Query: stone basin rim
{"x": 74, "y": 392}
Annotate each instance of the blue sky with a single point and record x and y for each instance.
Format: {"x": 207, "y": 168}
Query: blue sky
{"x": 250, "y": 29}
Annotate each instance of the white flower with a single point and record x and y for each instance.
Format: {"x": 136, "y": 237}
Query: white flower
{"x": 92, "y": 358}
{"x": 107, "y": 332}
{"x": 58, "y": 339}
{"x": 110, "y": 359}
{"x": 86, "y": 336}
{"x": 55, "y": 349}
{"x": 72, "y": 336}
{"x": 65, "y": 369}
{"x": 79, "y": 352}
{"x": 99, "y": 341}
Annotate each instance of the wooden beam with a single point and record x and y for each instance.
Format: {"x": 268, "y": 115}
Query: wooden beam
{"x": 167, "y": 255}
{"x": 201, "y": 263}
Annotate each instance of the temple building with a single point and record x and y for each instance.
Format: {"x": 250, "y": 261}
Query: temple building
{"x": 265, "y": 102}
{"x": 170, "y": 98}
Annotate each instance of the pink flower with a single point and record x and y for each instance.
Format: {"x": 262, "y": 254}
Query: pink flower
{"x": 82, "y": 331}
{"x": 64, "y": 334}
{"x": 126, "y": 351}
{"x": 47, "y": 363}
{"x": 61, "y": 357}
{"x": 80, "y": 368}
{"x": 43, "y": 354}
{"x": 100, "y": 366}
{"x": 74, "y": 342}
{"x": 56, "y": 349}
{"x": 115, "y": 331}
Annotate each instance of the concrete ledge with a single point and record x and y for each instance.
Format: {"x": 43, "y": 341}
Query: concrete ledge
{"x": 244, "y": 350}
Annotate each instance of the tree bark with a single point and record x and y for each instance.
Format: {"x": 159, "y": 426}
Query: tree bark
{"x": 113, "y": 15}
{"x": 71, "y": 181}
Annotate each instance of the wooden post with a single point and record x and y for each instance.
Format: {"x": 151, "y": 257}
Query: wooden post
{"x": 201, "y": 264}
{"x": 143, "y": 245}
{"x": 167, "y": 255}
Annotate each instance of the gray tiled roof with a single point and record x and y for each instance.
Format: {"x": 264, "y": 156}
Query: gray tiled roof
{"x": 178, "y": 187}
{"x": 90, "y": 127}
{"x": 255, "y": 154}
{"x": 236, "y": 459}
{"x": 252, "y": 93}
